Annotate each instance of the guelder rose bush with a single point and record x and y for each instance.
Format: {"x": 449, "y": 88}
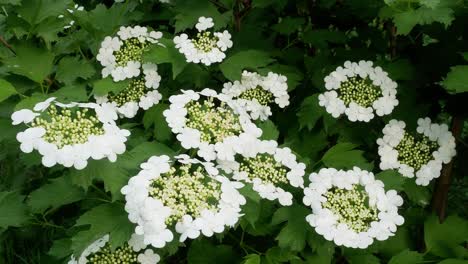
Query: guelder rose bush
{"x": 200, "y": 132}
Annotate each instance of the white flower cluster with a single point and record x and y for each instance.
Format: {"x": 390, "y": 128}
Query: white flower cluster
{"x": 141, "y": 93}
{"x": 208, "y": 47}
{"x": 264, "y": 176}
{"x": 67, "y": 140}
{"x": 396, "y": 147}
{"x": 121, "y": 56}
{"x": 177, "y": 117}
{"x": 151, "y": 214}
{"x": 357, "y": 90}
{"x": 327, "y": 222}
{"x": 99, "y": 252}
{"x": 255, "y": 93}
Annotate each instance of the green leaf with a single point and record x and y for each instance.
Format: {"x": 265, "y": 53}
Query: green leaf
{"x": 407, "y": 20}
{"x": 309, "y": 112}
{"x": 103, "y": 219}
{"x": 13, "y": 211}
{"x": 456, "y": 80}
{"x": 288, "y": 25}
{"x": 153, "y": 117}
{"x": 31, "y": 62}
{"x": 392, "y": 179}
{"x": 453, "y": 261}
{"x": 252, "y": 259}
{"x": 189, "y": 11}
{"x": 105, "y": 86}
{"x": 364, "y": 258}
{"x": 71, "y": 68}
{"x": 112, "y": 174}
{"x": 416, "y": 193}
{"x": 139, "y": 154}
{"x": 35, "y": 11}
{"x": 167, "y": 54}
{"x": 55, "y": 194}
{"x": 345, "y": 156}
{"x": 6, "y": 90}
{"x": 61, "y": 248}
{"x": 407, "y": 256}
{"x": 269, "y": 129}
{"x": 203, "y": 252}
{"x": 321, "y": 37}
{"x": 293, "y": 235}
{"x": 444, "y": 239}
{"x": 73, "y": 93}
{"x": 249, "y": 59}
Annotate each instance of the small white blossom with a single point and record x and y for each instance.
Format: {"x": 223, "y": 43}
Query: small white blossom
{"x": 99, "y": 138}
{"x": 159, "y": 219}
{"x": 207, "y": 47}
{"x": 256, "y": 93}
{"x": 381, "y": 209}
{"x": 395, "y": 140}
{"x": 184, "y": 118}
{"x": 359, "y": 91}
{"x": 135, "y": 41}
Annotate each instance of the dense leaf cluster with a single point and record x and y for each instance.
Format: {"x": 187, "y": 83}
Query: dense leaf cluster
{"x": 48, "y": 214}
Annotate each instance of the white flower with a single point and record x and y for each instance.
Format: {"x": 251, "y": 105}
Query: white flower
{"x": 204, "y": 23}
{"x": 273, "y": 87}
{"x": 208, "y": 47}
{"x": 327, "y": 221}
{"x": 56, "y": 146}
{"x": 148, "y": 257}
{"x": 128, "y": 66}
{"x": 178, "y": 117}
{"x": 249, "y": 147}
{"x": 380, "y": 92}
{"x": 154, "y": 216}
{"x": 23, "y": 116}
{"x": 394, "y": 133}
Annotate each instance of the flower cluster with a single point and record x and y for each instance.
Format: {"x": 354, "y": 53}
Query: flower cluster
{"x": 421, "y": 155}
{"x": 121, "y": 56}
{"x": 351, "y": 207}
{"x": 266, "y": 166}
{"x": 190, "y": 198}
{"x": 208, "y": 47}
{"x": 209, "y": 122}
{"x": 255, "y": 93}
{"x": 357, "y": 90}
{"x": 133, "y": 252}
{"x": 140, "y": 93}
{"x": 70, "y": 134}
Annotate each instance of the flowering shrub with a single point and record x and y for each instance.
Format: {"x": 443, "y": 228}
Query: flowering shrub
{"x": 233, "y": 131}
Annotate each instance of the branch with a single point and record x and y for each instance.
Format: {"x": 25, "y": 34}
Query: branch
{"x": 3, "y": 41}
{"x": 440, "y": 197}
{"x": 240, "y": 13}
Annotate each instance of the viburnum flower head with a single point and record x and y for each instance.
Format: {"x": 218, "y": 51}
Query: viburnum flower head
{"x": 121, "y": 55}
{"x": 132, "y": 252}
{"x": 351, "y": 208}
{"x": 141, "y": 92}
{"x": 419, "y": 154}
{"x": 209, "y": 122}
{"x": 207, "y": 47}
{"x": 359, "y": 91}
{"x": 256, "y": 93}
{"x": 183, "y": 197}
{"x": 70, "y": 134}
{"x": 268, "y": 168}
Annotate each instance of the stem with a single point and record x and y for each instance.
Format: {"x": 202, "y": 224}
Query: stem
{"x": 240, "y": 13}
{"x": 439, "y": 199}
{"x": 3, "y": 41}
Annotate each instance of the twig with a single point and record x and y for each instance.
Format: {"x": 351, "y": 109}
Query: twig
{"x": 439, "y": 199}
{"x": 240, "y": 13}
{"x": 3, "y": 41}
